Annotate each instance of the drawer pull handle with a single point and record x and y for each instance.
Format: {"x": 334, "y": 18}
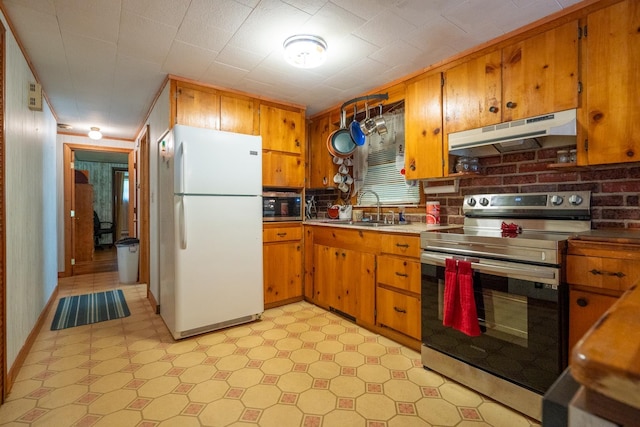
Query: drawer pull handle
{"x": 401, "y": 274}
{"x": 618, "y": 274}
{"x": 399, "y": 310}
{"x": 282, "y": 234}
{"x": 402, "y": 245}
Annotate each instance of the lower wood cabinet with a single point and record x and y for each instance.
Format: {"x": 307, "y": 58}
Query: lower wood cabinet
{"x": 398, "y": 299}
{"x": 282, "y": 261}
{"x": 598, "y": 274}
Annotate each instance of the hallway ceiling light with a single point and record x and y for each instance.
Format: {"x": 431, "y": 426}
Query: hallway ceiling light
{"x": 305, "y": 51}
{"x": 95, "y": 133}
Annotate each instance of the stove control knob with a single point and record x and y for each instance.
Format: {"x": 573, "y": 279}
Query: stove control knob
{"x": 484, "y": 201}
{"x": 556, "y": 200}
{"x": 575, "y": 200}
{"x": 471, "y": 201}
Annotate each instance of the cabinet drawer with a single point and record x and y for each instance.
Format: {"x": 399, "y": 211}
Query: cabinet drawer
{"x": 281, "y": 233}
{"x": 399, "y": 311}
{"x": 398, "y": 244}
{"x": 399, "y": 273}
{"x": 600, "y": 272}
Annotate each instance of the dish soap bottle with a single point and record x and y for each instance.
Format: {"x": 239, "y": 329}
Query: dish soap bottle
{"x": 401, "y": 218}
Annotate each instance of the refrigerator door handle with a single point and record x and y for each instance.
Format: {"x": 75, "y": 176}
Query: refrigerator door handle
{"x": 182, "y": 225}
{"x": 183, "y": 162}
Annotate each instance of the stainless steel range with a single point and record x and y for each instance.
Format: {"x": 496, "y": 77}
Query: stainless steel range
{"x": 516, "y": 245}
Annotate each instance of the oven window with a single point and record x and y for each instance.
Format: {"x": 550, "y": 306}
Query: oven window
{"x": 520, "y": 323}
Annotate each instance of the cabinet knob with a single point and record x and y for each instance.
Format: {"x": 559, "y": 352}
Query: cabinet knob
{"x": 511, "y": 104}
{"x": 297, "y": 143}
{"x": 582, "y": 302}
{"x": 493, "y": 109}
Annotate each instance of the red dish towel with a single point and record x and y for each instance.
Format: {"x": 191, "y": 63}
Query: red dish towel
{"x": 450, "y": 292}
{"x": 459, "y": 304}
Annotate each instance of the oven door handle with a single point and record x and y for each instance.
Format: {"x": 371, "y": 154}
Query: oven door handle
{"x": 521, "y": 270}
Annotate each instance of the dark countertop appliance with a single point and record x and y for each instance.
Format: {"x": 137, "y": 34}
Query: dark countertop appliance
{"x": 516, "y": 246}
{"x": 281, "y": 206}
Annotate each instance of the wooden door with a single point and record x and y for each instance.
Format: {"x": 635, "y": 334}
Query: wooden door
{"x": 473, "y": 93}
{"x": 83, "y": 223}
{"x": 281, "y": 130}
{"x": 612, "y": 86}
{"x": 321, "y": 168}
{"x": 540, "y": 74}
{"x": 423, "y": 125}
{"x": 197, "y": 107}
{"x": 325, "y": 265}
{"x": 282, "y": 271}
{"x": 282, "y": 170}
{"x": 237, "y": 115}
{"x": 585, "y": 308}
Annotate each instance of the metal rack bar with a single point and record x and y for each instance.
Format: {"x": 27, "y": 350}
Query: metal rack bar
{"x": 378, "y": 96}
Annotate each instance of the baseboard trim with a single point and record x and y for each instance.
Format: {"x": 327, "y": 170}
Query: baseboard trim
{"x": 24, "y": 351}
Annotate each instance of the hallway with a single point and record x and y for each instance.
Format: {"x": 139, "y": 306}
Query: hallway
{"x": 298, "y": 366}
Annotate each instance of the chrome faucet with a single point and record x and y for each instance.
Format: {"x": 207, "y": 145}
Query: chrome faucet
{"x": 362, "y": 193}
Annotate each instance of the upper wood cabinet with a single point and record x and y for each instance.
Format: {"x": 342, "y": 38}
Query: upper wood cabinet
{"x": 472, "y": 93}
{"x": 612, "y": 84}
{"x": 540, "y": 74}
{"x": 423, "y": 128}
{"x": 320, "y": 168}
{"x": 281, "y": 130}
{"x": 210, "y": 108}
{"x": 535, "y": 76}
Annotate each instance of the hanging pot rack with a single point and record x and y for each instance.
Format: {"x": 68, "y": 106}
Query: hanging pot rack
{"x": 377, "y": 96}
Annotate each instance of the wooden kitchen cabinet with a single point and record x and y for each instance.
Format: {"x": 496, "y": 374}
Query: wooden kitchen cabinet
{"x": 398, "y": 287}
{"x": 320, "y": 169}
{"x": 282, "y": 170}
{"x": 535, "y": 76}
{"x": 344, "y": 265}
{"x": 423, "y": 128}
{"x": 598, "y": 274}
{"x": 612, "y": 115}
{"x": 210, "y": 108}
{"x": 282, "y": 261}
{"x": 281, "y": 130}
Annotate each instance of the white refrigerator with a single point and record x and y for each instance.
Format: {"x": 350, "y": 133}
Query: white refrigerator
{"x": 210, "y": 219}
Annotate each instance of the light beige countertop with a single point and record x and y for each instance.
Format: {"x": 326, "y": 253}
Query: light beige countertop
{"x": 411, "y": 228}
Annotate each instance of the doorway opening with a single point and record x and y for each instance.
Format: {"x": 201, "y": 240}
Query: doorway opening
{"x": 99, "y": 214}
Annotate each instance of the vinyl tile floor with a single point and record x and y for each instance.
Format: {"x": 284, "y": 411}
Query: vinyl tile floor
{"x": 298, "y": 366}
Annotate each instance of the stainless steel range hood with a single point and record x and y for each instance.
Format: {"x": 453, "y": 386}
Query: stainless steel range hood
{"x": 548, "y": 130}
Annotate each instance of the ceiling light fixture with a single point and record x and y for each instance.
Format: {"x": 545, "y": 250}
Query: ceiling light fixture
{"x": 305, "y": 51}
{"x": 95, "y": 133}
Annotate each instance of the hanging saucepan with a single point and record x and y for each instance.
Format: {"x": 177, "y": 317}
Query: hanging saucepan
{"x": 381, "y": 124}
{"x": 339, "y": 142}
{"x": 354, "y": 129}
{"x": 368, "y": 125}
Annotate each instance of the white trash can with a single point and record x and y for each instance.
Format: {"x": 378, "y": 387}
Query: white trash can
{"x": 128, "y": 256}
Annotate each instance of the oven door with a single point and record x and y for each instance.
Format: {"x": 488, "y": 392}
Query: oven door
{"x": 522, "y": 317}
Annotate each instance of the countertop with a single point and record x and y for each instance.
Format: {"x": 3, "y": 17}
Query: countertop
{"x": 607, "y": 359}
{"x": 410, "y": 228}
{"x": 614, "y": 235}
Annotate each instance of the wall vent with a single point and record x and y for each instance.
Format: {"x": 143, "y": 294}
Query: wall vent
{"x": 35, "y": 97}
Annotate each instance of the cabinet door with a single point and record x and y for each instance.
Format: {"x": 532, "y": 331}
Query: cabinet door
{"x": 423, "y": 124}
{"x": 237, "y": 115}
{"x": 540, "y": 74}
{"x": 399, "y": 311}
{"x": 282, "y": 271}
{"x": 325, "y": 271}
{"x": 612, "y": 85}
{"x": 281, "y": 130}
{"x": 197, "y": 107}
{"x": 472, "y": 93}
{"x": 321, "y": 168}
{"x": 585, "y": 308}
{"x": 282, "y": 170}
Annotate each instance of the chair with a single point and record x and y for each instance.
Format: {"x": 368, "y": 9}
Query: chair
{"x": 102, "y": 228}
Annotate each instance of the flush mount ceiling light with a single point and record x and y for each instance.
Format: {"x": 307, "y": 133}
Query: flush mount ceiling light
{"x": 305, "y": 51}
{"x": 95, "y": 133}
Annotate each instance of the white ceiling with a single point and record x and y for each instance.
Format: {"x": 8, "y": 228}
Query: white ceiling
{"x": 101, "y": 62}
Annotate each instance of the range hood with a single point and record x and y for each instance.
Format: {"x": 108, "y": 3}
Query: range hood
{"x": 555, "y": 129}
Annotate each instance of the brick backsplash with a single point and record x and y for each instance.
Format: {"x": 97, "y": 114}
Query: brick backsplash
{"x": 615, "y": 189}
